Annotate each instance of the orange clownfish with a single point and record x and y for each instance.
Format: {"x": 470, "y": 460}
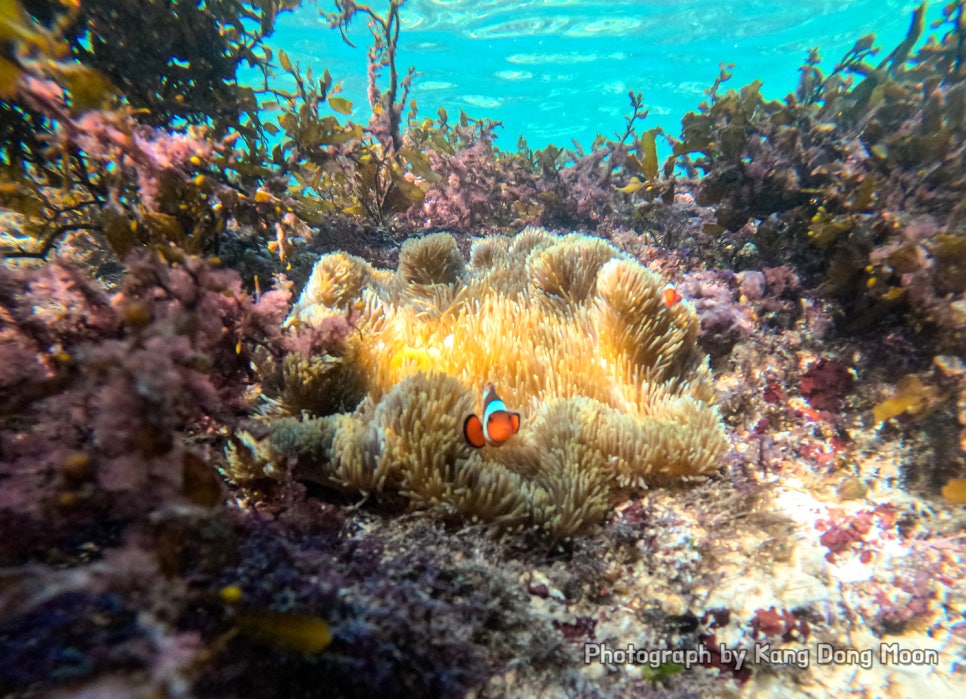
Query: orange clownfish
{"x": 671, "y": 296}
{"x": 497, "y": 425}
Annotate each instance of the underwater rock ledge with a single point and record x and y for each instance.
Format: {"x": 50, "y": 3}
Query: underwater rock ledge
{"x": 613, "y": 390}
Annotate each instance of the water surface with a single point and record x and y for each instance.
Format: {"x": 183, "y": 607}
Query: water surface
{"x": 561, "y": 69}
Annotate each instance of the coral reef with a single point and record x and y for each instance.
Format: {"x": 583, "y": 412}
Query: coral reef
{"x": 820, "y": 260}
{"x": 613, "y": 390}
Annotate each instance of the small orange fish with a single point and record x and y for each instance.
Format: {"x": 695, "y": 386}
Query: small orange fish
{"x": 497, "y": 425}
{"x": 671, "y": 296}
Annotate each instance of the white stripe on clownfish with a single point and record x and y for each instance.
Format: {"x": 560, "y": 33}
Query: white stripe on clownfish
{"x": 478, "y": 432}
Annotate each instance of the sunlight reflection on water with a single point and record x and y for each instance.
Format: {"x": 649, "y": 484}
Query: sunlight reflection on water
{"x": 497, "y": 59}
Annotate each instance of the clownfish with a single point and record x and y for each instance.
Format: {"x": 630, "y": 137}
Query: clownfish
{"x": 497, "y": 425}
{"x": 671, "y": 296}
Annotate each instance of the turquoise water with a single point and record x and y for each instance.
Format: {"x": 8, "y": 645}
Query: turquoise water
{"x": 561, "y": 69}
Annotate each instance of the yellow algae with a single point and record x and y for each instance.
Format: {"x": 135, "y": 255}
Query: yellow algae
{"x": 301, "y": 633}
{"x": 231, "y": 593}
{"x": 955, "y": 491}
{"x": 911, "y": 397}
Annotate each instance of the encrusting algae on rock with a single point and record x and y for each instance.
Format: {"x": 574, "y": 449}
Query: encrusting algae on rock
{"x": 613, "y": 391}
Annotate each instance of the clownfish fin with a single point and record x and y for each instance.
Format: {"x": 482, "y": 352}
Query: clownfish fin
{"x": 515, "y": 422}
{"x": 473, "y": 431}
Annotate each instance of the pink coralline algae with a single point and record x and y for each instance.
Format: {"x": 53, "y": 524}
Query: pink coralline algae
{"x": 100, "y": 392}
{"x": 725, "y": 320}
{"x": 114, "y": 139}
{"x": 841, "y": 531}
{"x": 730, "y": 305}
{"x": 770, "y": 622}
{"x": 474, "y": 185}
{"x": 152, "y": 154}
{"x": 751, "y": 283}
{"x": 825, "y": 383}
{"x": 474, "y": 189}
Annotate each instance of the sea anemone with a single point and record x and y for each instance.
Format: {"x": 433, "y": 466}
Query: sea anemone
{"x": 613, "y": 391}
